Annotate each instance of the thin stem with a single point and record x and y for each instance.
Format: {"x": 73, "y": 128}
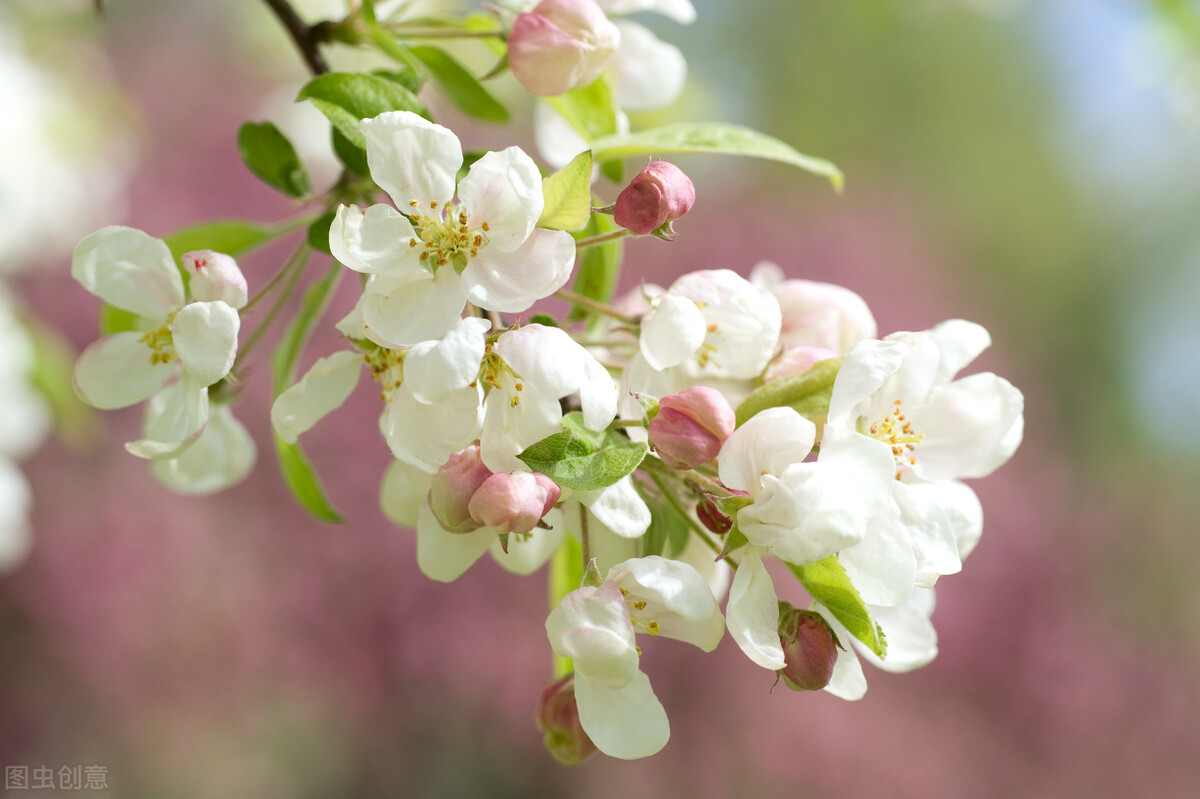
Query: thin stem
{"x": 439, "y": 33}
{"x": 292, "y": 269}
{"x": 583, "y": 536}
{"x": 302, "y": 34}
{"x": 270, "y": 285}
{"x": 594, "y": 306}
{"x": 626, "y": 423}
{"x": 696, "y": 528}
{"x": 592, "y": 241}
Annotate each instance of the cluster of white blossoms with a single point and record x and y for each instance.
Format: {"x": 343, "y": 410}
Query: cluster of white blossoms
{"x": 661, "y": 450}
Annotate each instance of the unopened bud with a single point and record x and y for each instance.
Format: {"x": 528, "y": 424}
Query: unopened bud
{"x": 514, "y": 503}
{"x": 809, "y": 648}
{"x": 712, "y": 518}
{"x": 215, "y": 276}
{"x": 657, "y": 196}
{"x": 453, "y": 486}
{"x": 557, "y": 719}
{"x": 561, "y": 44}
{"x": 691, "y": 426}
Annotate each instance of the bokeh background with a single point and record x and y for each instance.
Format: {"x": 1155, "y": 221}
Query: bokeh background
{"x": 1031, "y": 166}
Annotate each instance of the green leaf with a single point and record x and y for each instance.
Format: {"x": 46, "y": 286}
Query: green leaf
{"x": 231, "y": 236}
{"x": 808, "y": 393}
{"x": 463, "y": 89}
{"x": 347, "y": 98}
{"x": 568, "y": 195}
{"x": 406, "y": 76}
{"x": 669, "y": 528}
{"x": 302, "y": 480}
{"x": 575, "y": 462}
{"x": 573, "y": 423}
{"x": 590, "y": 109}
{"x": 318, "y": 232}
{"x": 270, "y": 155}
{"x": 705, "y": 137}
{"x": 353, "y": 157}
{"x": 599, "y": 266}
{"x": 827, "y": 582}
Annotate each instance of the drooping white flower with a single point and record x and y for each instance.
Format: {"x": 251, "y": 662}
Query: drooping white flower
{"x": 595, "y": 627}
{"x": 221, "y": 456}
{"x": 192, "y": 343}
{"x": 479, "y": 246}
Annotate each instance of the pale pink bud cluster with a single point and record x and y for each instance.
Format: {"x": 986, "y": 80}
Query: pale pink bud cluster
{"x": 215, "y": 276}
{"x": 657, "y": 196}
{"x": 465, "y": 495}
{"x": 560, "y": 45}
{"x": 809, "y": 647}
{"x": 557, "y": 719}
{"x": 691, "y": 426}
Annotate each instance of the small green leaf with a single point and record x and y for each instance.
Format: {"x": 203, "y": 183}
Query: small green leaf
{"x": 808, "y": 393}
{"x": 573, "y": 462}
{"x": 827, "y": 582}
{"x": 463, "y": 89}
{"x": 599, "y": 266}
{"x": 353, "y": 157}
{"x": 406, "y": 76}
{"x": 302, "y": 480}
{"x": 590, "y": 109}
{"x": 568, "y": 195}
{"x": 573, "y": 423}
{"x": 348, "y": 98}
{"x": 318, "y": 232}
{"x": 269, "y": 154}
{"x": 231, "y": 236}
{"x": 694, "y": 137}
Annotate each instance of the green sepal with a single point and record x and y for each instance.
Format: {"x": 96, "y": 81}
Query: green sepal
{"x": 270, "y": 156}
{"x": 567, "y": 195}
{"x": 827, "y": 582}
{"x": 463, "y": 88}
{"x": 729, "y": 506}
{"x": 716, "y": 138}
{"x": 583, "y": 459}
{"x": 808, "y": 394}
{"x": 318, "y": 232}
{"x": 299, "y": 476}
{"x": 735, "y": 539}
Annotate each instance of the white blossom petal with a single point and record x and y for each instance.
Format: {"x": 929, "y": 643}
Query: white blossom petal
{"x": 682, "y": 11}
{"x": 323, "y": 389}
{"x": 650, "y": 72}
{"x": 15, "y": 499}
{"x": 426, "y": 435}
{"x": 966, "y": 425}
{"x": 510, "y": 282}
{"x": 420, "y": 309}
{"x": 175, "y": 417}
{"x": 557, "y": 365}
{"x": 675, "y": 596}
{"x": 848, "y": 681}
{"x": 444, "y": 556}
{"x": 931, "y": 517}
{"x": 205, "y": 337}
{"x": 625, "y": 723}
{"x": 433, "y": 370}
{"x": 412, "y": 158}
{"x": 220, "y": 457}
{"x": 403, "y": 492}
{"x": 911, "y": 637}
{"x": 591, "y": 626}
{"x": 767, "y": 443}
{"x": 504, "y": 189}
{"x": 672, "y": 332}
{"x": 882, "y": 566}
{"x": 129, "y": 269}
{"x": 373, "y": 242}
{"x": 509, "y": 428}
{"x": 864, "y": 370}
{"x": 619, "y": 507}
{"x": 117, "y": 371}
{"x": 960, "y": 342}
{"x": 753, "y": 612}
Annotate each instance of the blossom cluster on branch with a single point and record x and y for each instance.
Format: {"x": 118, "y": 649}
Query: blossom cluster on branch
{"x": 659, "y": 449}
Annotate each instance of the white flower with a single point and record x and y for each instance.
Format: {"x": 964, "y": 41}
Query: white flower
{"x": 194, "y": 343}
{"x": 481, "y": 247}
{"x": 814, "y": 314}
{"x": 221, "y": 456}
{"x": 595, "y": 627}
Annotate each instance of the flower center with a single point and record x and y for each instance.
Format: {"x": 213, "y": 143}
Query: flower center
{"x": 387, "y": 369}
{"x": 490, "y": 371}
{"x": 897, "y": 432}
{"x": 636, "y": 606}
{"x": 445, "y": 236}
{"x": 162, "y": 346}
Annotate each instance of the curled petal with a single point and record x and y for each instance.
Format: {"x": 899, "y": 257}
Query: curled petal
{"x": 129, "y": 269}
{"x": 205, "y": 336}
{"x": 753, "y": 612}
{"x": 848, "y": 681}
{"x": 626, "y": 723}
{"x": 865, "y": 369}
{"x": 373, "y": 242}
{"x": 412, "y": 158}
{"x": 672, "y": 332}
{"x": 175, "y": 417}
{"x": 444, "y": 556}
{"x": 510, "y": 282}
{"x": 619, "y": 507}
{"x": 403, "y": 493}
{"x": 420, "y": 309}
{"x": 426, "y": 435}
{"x": 960, "y": 343}
{"x": 675, "y": 596}
{"x": 504, "y": 189}
{"x": 911, "y": 637}
{"x": 117, "y": 371}
{"x": 591, "y": 626}
{"x": 322, "y": 389}
{"x": 435, "y": 369}
{"x": 968, "y": 427}
{"x": 768, "y": 443}
{"x": 220, "y": 457}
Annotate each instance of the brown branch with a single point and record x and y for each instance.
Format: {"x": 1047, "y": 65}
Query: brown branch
{"x": 302, "y": 34}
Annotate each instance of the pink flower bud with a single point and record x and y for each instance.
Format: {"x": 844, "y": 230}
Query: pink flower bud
{"x": 514, "y": 503}
{"x": 809, "y": 648}
{"x": 691, "y": 426}
{"x": 712, "y": 518}
{"x": 561, "y": 44}
{"x": 453, "y": 486}
{"x": 215, "y": 276}
{"x": 657, "y": 196}
{"x": 557, "y": 719}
